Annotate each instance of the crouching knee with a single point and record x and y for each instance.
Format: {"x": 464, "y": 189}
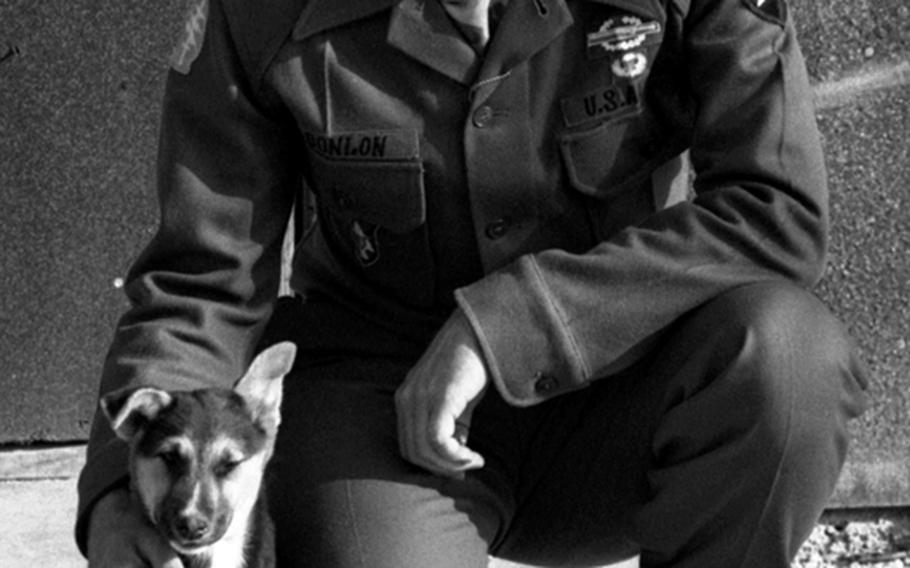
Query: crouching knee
{"x": 784, "y": 354}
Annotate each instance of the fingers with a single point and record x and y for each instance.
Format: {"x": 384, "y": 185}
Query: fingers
{"x": 433, "y": 435}
{"x": 446, "y": 441}
{"x": 462, "y": 429}
{"x": 440, "y": 391}
{"x": 452, "y": 431}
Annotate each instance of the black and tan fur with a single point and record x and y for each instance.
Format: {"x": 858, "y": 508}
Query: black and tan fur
{"x": 197, "y": 460}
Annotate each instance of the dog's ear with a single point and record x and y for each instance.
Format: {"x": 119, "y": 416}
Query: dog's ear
{"x": 262, "y": 384}
{"x": 129, "y": 409}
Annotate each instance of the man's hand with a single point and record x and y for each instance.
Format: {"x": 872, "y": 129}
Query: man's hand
{"x": 121, "y": 537}
{"x": 437, "y": 398}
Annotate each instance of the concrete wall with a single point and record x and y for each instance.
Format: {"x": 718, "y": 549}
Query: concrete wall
{"x": 80, "y": 84}
{"x": 79, "y": 92}
{"x": 858, "y": 53}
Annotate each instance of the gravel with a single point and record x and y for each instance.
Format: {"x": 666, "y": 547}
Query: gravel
{"x": 851, "y": 539}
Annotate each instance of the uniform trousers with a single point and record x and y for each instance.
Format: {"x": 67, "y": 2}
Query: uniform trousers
{"x": 720, "y": 448}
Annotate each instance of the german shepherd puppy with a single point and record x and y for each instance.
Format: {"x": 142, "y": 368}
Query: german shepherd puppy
{"x": 197, "y": 461}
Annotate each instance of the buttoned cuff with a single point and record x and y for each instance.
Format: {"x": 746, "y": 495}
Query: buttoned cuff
{"x": 528, "y": 346}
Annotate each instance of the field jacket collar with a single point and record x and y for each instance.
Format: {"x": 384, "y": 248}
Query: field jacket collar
{"x": 421, "y": 29}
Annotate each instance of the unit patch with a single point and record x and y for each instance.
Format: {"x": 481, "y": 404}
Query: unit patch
{"x": 190, "y": 44}
{"x": 620, "y": 33}
{"x": 366, "y": 243}
{"x": 612, "y": 102}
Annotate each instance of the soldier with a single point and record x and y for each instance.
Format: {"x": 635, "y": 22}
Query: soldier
{"x": 520, "y": 333}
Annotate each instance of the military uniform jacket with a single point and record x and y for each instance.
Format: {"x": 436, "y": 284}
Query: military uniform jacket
{"x": 530, "y": 186}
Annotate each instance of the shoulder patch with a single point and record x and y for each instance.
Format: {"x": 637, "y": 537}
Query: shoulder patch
{"x": 191, "y": 38}
{"x": 772, "y": 10}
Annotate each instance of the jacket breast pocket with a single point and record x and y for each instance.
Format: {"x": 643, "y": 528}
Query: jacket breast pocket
{"x": 611, "y": 164}
{"x": 373, "y": 215}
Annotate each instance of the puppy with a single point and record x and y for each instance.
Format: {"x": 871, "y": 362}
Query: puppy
{"x": 197, "y": 461}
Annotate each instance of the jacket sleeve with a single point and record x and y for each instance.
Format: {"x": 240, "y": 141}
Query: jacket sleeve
{"x": 554, "y": 321}
{"x": 203, "y": 288}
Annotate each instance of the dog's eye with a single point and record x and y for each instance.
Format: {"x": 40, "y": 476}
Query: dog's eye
{"x": 224, "y": 468}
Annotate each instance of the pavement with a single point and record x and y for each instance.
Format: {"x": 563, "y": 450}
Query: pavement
{"x": 38, "y": 501}
{"x": 36, "y": 527}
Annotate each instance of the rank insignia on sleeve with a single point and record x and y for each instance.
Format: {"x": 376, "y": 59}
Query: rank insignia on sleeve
{"x": 618, "y": 34}
{"x": 191, "y": 38}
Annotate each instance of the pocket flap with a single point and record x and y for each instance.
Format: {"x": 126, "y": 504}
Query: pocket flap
{"x": 388, "y": 194}
{"x": 612, "y": 158}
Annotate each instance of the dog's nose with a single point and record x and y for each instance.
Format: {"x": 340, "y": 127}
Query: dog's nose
{"x": 191, "y": 527}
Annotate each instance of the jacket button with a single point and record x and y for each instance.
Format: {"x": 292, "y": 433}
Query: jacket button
{"x": 483, "y": 116}
{"x": 544, "y": 384}
{"x": 498, "y": 228}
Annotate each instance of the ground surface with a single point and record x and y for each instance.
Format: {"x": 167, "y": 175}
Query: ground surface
{"x": 38, "y": 502}
{"x": 36, "y": 531}
{"x": 851, "y": 539}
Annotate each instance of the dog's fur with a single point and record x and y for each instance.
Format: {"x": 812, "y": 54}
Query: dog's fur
{"x": 197, "y": 460}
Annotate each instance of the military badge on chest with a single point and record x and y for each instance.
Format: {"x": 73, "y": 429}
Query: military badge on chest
{"x": 620, "y": 34}
{"x": 618, "y": 47}
{"x": 366, "y": 242}
{"x": 624, "y": 39}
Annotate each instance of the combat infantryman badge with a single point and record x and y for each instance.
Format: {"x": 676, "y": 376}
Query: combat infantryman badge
{"x": 620, "y": 34}
{"x": 190, "y": 45}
